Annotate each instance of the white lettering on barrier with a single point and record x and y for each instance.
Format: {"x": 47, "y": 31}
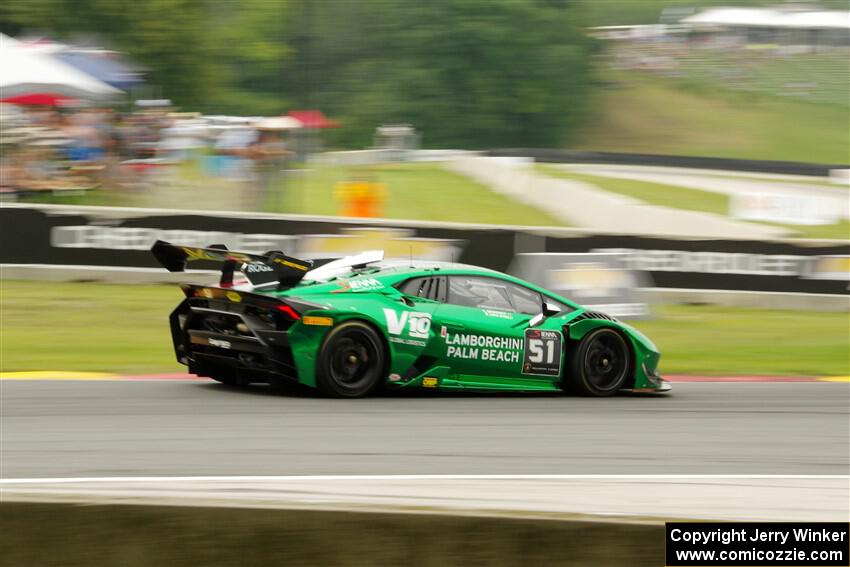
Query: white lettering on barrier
{"x": 135, "y": 238}
{"x": 710, "y": 262}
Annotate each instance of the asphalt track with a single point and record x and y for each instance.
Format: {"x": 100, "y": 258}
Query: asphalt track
{"x": 150, "y": 428}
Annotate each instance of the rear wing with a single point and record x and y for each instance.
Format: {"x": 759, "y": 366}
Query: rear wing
{"x": 260, "y": 269}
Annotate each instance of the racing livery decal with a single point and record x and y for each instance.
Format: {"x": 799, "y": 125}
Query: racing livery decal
{"x": 413, "y": 324}
{"x": 542, "y": 353}
{"x": 363, "y": 284}
{"x": 483, "y": 347}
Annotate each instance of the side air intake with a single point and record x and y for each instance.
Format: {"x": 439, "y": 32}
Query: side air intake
{"x": 593, "y": 315}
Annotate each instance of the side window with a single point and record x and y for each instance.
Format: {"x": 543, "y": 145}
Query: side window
{"x": 525, "y": 300}
{"x": 475, "y": 291}
{"x": 416, "y": 287}
{"x": 492, "y": 293}
{"x": 428, "y": 287}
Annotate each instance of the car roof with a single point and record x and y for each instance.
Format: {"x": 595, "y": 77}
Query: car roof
{"x": 412, "y": 266}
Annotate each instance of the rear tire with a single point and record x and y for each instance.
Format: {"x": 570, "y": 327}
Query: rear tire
{"x": 601, "y": 364}
{"x": 352, "y": 361}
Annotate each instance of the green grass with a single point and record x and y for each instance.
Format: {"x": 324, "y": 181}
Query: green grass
{"x": 840, "y": 231}
{"x": 415, "y": 191}
{"x": 648, "y": 114}
{"x": 688, "y": 199}
{"x": 86, "y": 326}
{"x": 93, "y": 197}
{"x": 123, "y": 328}
{"x": 719, "y": 340}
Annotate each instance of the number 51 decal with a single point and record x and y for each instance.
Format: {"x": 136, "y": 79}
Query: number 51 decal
{"x": 542, "y": 353}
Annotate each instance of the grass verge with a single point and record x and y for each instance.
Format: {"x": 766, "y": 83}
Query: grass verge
{"x": 422, "y": 191}
{"x": 123, "y": 329}
{"x": 86, "y": 326}
{"x": 712, "y": 340}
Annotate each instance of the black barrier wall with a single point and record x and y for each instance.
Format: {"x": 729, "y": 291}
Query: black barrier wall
{"x": 122, "y": 237}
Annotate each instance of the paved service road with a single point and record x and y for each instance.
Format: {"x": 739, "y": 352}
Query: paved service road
{"x": 93, "y": 428}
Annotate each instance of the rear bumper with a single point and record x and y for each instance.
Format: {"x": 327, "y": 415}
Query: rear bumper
{"x": 259, "y": 352}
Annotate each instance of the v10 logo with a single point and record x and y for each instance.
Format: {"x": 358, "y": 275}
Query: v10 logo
{"x": 418, "y": 324}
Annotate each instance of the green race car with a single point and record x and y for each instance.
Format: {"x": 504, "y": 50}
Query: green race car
{"x": 349, "y": 326}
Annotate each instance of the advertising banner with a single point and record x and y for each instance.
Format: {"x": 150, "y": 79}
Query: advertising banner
{"x": 97, "y": 236}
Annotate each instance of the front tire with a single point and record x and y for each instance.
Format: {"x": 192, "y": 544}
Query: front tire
{"x": 351, "y": 362}
{"x": 601, "y": 364}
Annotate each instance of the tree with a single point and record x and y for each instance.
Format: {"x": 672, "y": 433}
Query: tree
{"x": 204, "y": 55}
{"x": 466, "y": 73}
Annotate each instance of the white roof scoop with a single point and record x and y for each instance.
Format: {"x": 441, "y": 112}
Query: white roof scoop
{"x": 343, "y": 266}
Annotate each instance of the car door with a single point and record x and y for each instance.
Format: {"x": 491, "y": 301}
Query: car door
{"x": 411, "y": 322}
{"x": 483, "y": 323}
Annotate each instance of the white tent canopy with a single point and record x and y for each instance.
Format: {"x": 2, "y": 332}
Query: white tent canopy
{"x": 277, "y": 123}
{"x": 831, "y": 19}
{"x": 770, "y": 18}
{"x": 24, "y": 71}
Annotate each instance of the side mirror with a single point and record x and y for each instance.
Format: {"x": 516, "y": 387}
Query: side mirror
{"x": 548, "y": 311}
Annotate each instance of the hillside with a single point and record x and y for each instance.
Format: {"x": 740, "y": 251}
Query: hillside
{"x": 638, "y": 112}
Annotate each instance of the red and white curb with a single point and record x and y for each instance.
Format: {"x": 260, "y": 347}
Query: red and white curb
{"x": 106, "y": 376}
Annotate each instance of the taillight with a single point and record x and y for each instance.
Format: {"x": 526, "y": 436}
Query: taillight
{"x": 289, "y": 312}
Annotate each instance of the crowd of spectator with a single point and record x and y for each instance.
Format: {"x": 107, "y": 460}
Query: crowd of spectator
{"x": 60, "y": 149}
{"x": 814, "y": 74}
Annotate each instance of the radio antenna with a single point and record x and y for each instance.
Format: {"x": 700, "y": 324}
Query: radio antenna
{"x": 411, "y": 255}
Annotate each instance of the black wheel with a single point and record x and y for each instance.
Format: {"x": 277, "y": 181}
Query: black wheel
{"x": 351, "y": 362}
{"x": 601, "y": 364}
